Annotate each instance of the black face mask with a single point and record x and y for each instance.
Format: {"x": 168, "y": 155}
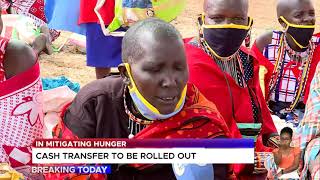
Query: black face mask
{"x": 300, "y": 34}
{"x": 225, "y": 40}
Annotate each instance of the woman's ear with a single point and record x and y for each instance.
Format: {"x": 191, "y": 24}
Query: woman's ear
{"x": 124, "y": 73}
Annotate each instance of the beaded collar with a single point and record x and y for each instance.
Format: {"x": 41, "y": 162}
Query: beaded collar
{"x": 130, "y": 114}
{"x": 304, "y": 57}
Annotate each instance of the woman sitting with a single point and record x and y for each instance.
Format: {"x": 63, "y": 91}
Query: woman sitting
{"x": 285, "y": 160}
{"x": 20, "y": 104}
{"x": 288, "y": 59}
{"x": 151, "y": 99}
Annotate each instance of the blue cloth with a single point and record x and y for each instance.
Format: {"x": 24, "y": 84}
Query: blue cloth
{"x": 51, "y": 83}
{"x": 102, "y": 51}
{"x": 315, "y": 150}
{"x": 137, "y": 3}
{"x": 193, "y": 171}
{"x": 64, "y": 15}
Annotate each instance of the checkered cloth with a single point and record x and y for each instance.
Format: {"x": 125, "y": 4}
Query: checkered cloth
{"x": 311, "y": 160}
{"x": 308, "y": 133}
{"x": 309, "y": 127}
{"x": 271, "y": 166}
{"x": 287, "y": 86}
{"x": 313, "y": 104}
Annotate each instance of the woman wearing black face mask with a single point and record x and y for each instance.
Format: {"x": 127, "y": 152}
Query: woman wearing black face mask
{"x": 227, "y": 75}
{"x": 290, "y": 58}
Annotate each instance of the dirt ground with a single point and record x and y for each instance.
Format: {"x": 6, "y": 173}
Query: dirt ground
{"x": 70, "y": 62}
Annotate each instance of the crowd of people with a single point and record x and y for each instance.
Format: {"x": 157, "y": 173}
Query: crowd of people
{"x": 214, "y": 85}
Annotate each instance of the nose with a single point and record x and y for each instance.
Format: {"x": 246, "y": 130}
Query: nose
{"x": 169, "y": 81}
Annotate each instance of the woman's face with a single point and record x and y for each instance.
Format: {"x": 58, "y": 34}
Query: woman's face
{"x": 285, "y": 140}
{"x": 300, "y": 12}
{"x": 161, "y": 73}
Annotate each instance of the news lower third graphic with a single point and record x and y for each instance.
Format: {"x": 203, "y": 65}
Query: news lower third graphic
{"x": 146, "y": 151}
{"x": 101, "y": 169}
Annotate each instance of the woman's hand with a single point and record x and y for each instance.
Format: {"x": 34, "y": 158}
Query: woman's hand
{"x": 280, "y": 173}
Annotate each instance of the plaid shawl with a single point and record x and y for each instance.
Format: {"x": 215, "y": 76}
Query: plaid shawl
{"x": 309, "y": 128}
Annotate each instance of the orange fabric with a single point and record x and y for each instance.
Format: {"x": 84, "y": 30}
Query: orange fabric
{"x": 287, "y": 161}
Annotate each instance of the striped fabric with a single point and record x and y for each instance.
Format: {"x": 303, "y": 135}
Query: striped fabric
{"x": 288, "y": 84}
{"x": 249, "y": 130}
{"x": 18, "y": 156}
{"x": 260, "y": 159}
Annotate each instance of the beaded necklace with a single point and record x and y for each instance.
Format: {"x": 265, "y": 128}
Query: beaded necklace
{"x": 135, "y": 124}
{"x": 304, "y": 58}
{"x": 231, "y": 65}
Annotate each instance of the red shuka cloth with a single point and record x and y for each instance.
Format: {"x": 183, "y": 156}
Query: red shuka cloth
{"x": 87, "y": 14}
{"x": 209, "y": 79}
{"x": 199, "y": 118}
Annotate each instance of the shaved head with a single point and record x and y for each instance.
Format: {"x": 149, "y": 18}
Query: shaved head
{"x": 146, "y": 34}
{"x": 285, "y": 7}
{"x": 241, "y": 5}
{"x": 156, "y": 54}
